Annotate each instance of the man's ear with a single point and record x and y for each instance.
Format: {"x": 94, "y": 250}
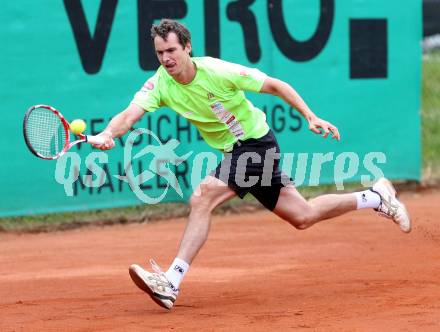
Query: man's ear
{"x": 188, "y": 48}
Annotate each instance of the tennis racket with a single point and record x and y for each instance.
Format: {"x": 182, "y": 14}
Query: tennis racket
{"x": 47, "y": 135}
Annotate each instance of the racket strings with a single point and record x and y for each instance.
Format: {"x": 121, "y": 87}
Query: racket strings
{"x": 45, "y": 132}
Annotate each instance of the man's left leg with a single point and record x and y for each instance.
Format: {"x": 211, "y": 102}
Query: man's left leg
{"x": 292, "y": 207}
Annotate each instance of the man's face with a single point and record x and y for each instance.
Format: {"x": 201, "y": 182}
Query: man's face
{"x": 171, "y": 54}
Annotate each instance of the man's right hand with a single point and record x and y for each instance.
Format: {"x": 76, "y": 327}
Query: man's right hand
{"x": 108, "y": 144}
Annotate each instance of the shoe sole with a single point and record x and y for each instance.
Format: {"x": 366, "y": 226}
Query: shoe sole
{"x": 388, "y": 184}
{"x": 408, "y": 229}
{"x": 142, "y": 285}
{"x": 402, "y": 206}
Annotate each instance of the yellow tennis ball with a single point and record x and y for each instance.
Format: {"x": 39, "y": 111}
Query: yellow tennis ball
{"x": 77, "y": 126}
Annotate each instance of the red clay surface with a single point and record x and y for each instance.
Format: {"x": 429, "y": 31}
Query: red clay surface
{"x": 355, "y": 273}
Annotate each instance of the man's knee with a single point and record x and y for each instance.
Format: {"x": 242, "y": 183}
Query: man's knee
{"x": 197, "y": 202}
{"x": 203, "y": 198}
{"x": 301, "y": 222}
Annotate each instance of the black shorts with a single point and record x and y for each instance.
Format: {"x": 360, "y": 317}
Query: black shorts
{"x": 253, "y": 167}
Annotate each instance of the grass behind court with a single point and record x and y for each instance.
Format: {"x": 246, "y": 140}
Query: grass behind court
{"x": 431, "y": 117}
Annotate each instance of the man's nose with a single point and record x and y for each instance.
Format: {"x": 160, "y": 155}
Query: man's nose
{"x": 165, "y": 57}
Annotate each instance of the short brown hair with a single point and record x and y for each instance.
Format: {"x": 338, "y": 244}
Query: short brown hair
{"x": 166, "y": 26}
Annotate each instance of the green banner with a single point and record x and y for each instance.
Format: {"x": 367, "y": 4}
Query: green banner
{"x": 356, "y": 64}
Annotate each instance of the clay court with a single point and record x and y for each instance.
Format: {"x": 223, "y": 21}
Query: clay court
{"x": 256, "y": 273}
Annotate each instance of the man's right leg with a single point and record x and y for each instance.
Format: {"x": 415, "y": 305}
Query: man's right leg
{"x": 163, "y": 287}
{"x": 208, "y": 195}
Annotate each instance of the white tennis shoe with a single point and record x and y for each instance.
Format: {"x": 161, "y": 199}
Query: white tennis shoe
{"x": 154, "y": 284}
{"x": 390, "y": 207}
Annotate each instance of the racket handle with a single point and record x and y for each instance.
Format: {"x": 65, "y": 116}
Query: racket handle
{"x": 97, "y": 140}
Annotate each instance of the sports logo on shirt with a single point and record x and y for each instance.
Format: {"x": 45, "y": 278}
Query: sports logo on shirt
{"x": 149, "y": 85}
{"x": 210, "y": 95}
{"x": 228, "y": 119}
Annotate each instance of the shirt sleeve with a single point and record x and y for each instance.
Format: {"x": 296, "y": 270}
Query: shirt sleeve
{"x": 244, "y": 78}
{"x": 148, "y": 97}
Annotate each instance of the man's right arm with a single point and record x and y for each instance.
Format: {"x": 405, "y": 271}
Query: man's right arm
{"x": 119, "y": 125}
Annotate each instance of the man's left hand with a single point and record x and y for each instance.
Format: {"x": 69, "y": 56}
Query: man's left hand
{"x": 324, "y": 128}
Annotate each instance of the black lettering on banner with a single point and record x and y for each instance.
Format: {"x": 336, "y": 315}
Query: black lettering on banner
{"x": 239, "y": 11}
{"x": 122, "y": 172}
{"x": 121, "y": 140}
{"x": 91, "y": 49}
{"x": 199, "y": 136}
{"x": 289, "y": 46}
{"x": 182, "y": 128}
{"x": 148, "y": 11}
{"x": 159, "y": 163}
{"x": 139, "y": 138}
{"x": 159, "y": 127}
{"x": 183, "y": 172}
{"x": 81, "y": 183}
{"x": 142, "y": 185}
{"x": 93, "y": 123}
{"x": 368, "y": 48}
{"x": 281, "y": 119}
{"x": 297, "y": 118}
{"x": 109, "y": 182}
{"x": 212, "y": 28}
{"x": 149, "y": 128}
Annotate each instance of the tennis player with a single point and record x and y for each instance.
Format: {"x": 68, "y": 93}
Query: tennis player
{"x": 209, "y": 93}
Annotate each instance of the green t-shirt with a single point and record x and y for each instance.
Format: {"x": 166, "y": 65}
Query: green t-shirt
{"x": 213, "y": 101}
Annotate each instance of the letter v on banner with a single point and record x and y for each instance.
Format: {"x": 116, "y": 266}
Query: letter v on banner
{"x": 91, "y": 49}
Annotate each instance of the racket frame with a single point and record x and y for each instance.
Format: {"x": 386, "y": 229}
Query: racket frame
{"x": 67, "y": 144}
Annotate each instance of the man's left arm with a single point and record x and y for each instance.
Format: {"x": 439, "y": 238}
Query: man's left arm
{"x": 283, "y": 90}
